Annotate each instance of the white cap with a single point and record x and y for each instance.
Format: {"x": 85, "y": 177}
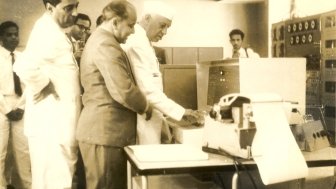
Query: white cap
{"x": 160, "y": 8}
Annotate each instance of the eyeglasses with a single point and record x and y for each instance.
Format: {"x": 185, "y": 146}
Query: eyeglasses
{"x": 82, "y": 27}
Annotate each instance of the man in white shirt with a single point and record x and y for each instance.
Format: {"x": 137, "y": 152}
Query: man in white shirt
{"x": 236, "y": 40}
{"x": 48, "y": 69}
{"x": 11, "y": 112}
{"x": 79, "y": 34}
{"x": 153, "y": 25}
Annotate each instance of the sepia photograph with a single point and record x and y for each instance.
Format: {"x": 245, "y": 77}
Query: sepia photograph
{"x": 167, "y": 94}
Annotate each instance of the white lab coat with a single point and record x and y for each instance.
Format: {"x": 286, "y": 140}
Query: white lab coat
{"x": 149, "y": 79}
{"x": 48, "y": 57}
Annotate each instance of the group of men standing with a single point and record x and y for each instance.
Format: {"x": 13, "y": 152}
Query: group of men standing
{"x": 119, "y": 91}
{"x": 121, "y": 101}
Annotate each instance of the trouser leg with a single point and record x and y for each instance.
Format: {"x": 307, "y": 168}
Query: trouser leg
{"x": 79, "y": 177}
{"x": 53, "y": 164}
{"x": 4, "y": 137}
{"x": 105, "y": 167}
{"x": 21, "y": 156}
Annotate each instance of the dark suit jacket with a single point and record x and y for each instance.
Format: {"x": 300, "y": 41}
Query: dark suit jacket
{"x": 111, "y": 98}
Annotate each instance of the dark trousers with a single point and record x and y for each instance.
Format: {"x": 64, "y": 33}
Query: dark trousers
{"x": 79, "y": 181}
{"x": 105, "y": 166}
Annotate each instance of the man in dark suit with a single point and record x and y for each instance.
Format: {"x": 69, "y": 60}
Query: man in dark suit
{"x": 111, "y": 100}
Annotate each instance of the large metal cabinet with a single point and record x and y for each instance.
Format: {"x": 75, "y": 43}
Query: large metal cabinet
{"x": 312, "y": 37}
{"x": 179, "y": 72}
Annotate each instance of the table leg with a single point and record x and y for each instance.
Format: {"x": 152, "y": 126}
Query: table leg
{"x": 235, "y": 181}
{"x": 144, "y": 182}
{"x": 302, "y": 183}
{"x": 129, "y": 175}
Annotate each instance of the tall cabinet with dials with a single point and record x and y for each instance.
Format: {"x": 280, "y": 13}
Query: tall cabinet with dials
{"x": 312, "y": 37}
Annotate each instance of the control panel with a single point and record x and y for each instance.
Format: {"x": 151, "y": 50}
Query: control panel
{"x": 312, "y": 37}
{"x": 222, "y": 80}
{"x": 302, "y": 39}
{"x": 278, "y": 39}
{"x": 328, "y": 54}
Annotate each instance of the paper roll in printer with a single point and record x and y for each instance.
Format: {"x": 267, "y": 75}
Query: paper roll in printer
{"x": 256, "y": 126}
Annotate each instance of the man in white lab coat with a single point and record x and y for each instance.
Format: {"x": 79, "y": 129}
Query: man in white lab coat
{"x": 50, "y": 72}
{"x": 153, "y": 25}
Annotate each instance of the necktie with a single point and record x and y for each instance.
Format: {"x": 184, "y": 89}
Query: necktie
{"x": 235, "y": 54}
{"x": 17, "y": 83}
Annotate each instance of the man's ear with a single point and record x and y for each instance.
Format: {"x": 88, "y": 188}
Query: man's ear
{"x": 49, "y": 7}
{"x": 148, "y": 18}
{"x": 115, "y": 21}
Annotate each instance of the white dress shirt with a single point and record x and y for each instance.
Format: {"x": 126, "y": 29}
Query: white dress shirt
{"x": 7, "y": 81}
{"x": 246, "y": 53}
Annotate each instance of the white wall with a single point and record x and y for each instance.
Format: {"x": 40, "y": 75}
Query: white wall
{"x": 197, "y": 23}
{"x": 280, "y": 10}
{"x": 24, "y": 13}
{"x": 206, "y": 23}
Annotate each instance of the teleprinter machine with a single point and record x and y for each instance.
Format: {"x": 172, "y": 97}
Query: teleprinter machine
{"x": 255, "y": 126}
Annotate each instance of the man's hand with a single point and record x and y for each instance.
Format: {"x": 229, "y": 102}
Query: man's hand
{"x": 194, "y": 117}
{"x": 46, "y": 91}
{"x": 12, "y": 115}
{"x": 19, "y": 113}
{"x": 15, "y": 115}
{"x": 149, "y": 113}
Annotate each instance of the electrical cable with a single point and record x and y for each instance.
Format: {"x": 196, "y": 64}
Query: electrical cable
{"x": 249, "y": 174}
{"x": 236, "y": 163}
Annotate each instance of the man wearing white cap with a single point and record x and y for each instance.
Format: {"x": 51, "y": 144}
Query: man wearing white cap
{"x": 153, "y": 25}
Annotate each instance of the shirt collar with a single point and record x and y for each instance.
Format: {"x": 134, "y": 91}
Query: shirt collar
{"x": 237, "y": 51}
{"x": 142, "y": 31}
{"x": 4, "y": 52}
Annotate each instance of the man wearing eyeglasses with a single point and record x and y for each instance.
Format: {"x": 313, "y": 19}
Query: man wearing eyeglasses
{"x": 78, "y": 36}
{"x": 49, "y": 71}
{"x": 79, "y": 33}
